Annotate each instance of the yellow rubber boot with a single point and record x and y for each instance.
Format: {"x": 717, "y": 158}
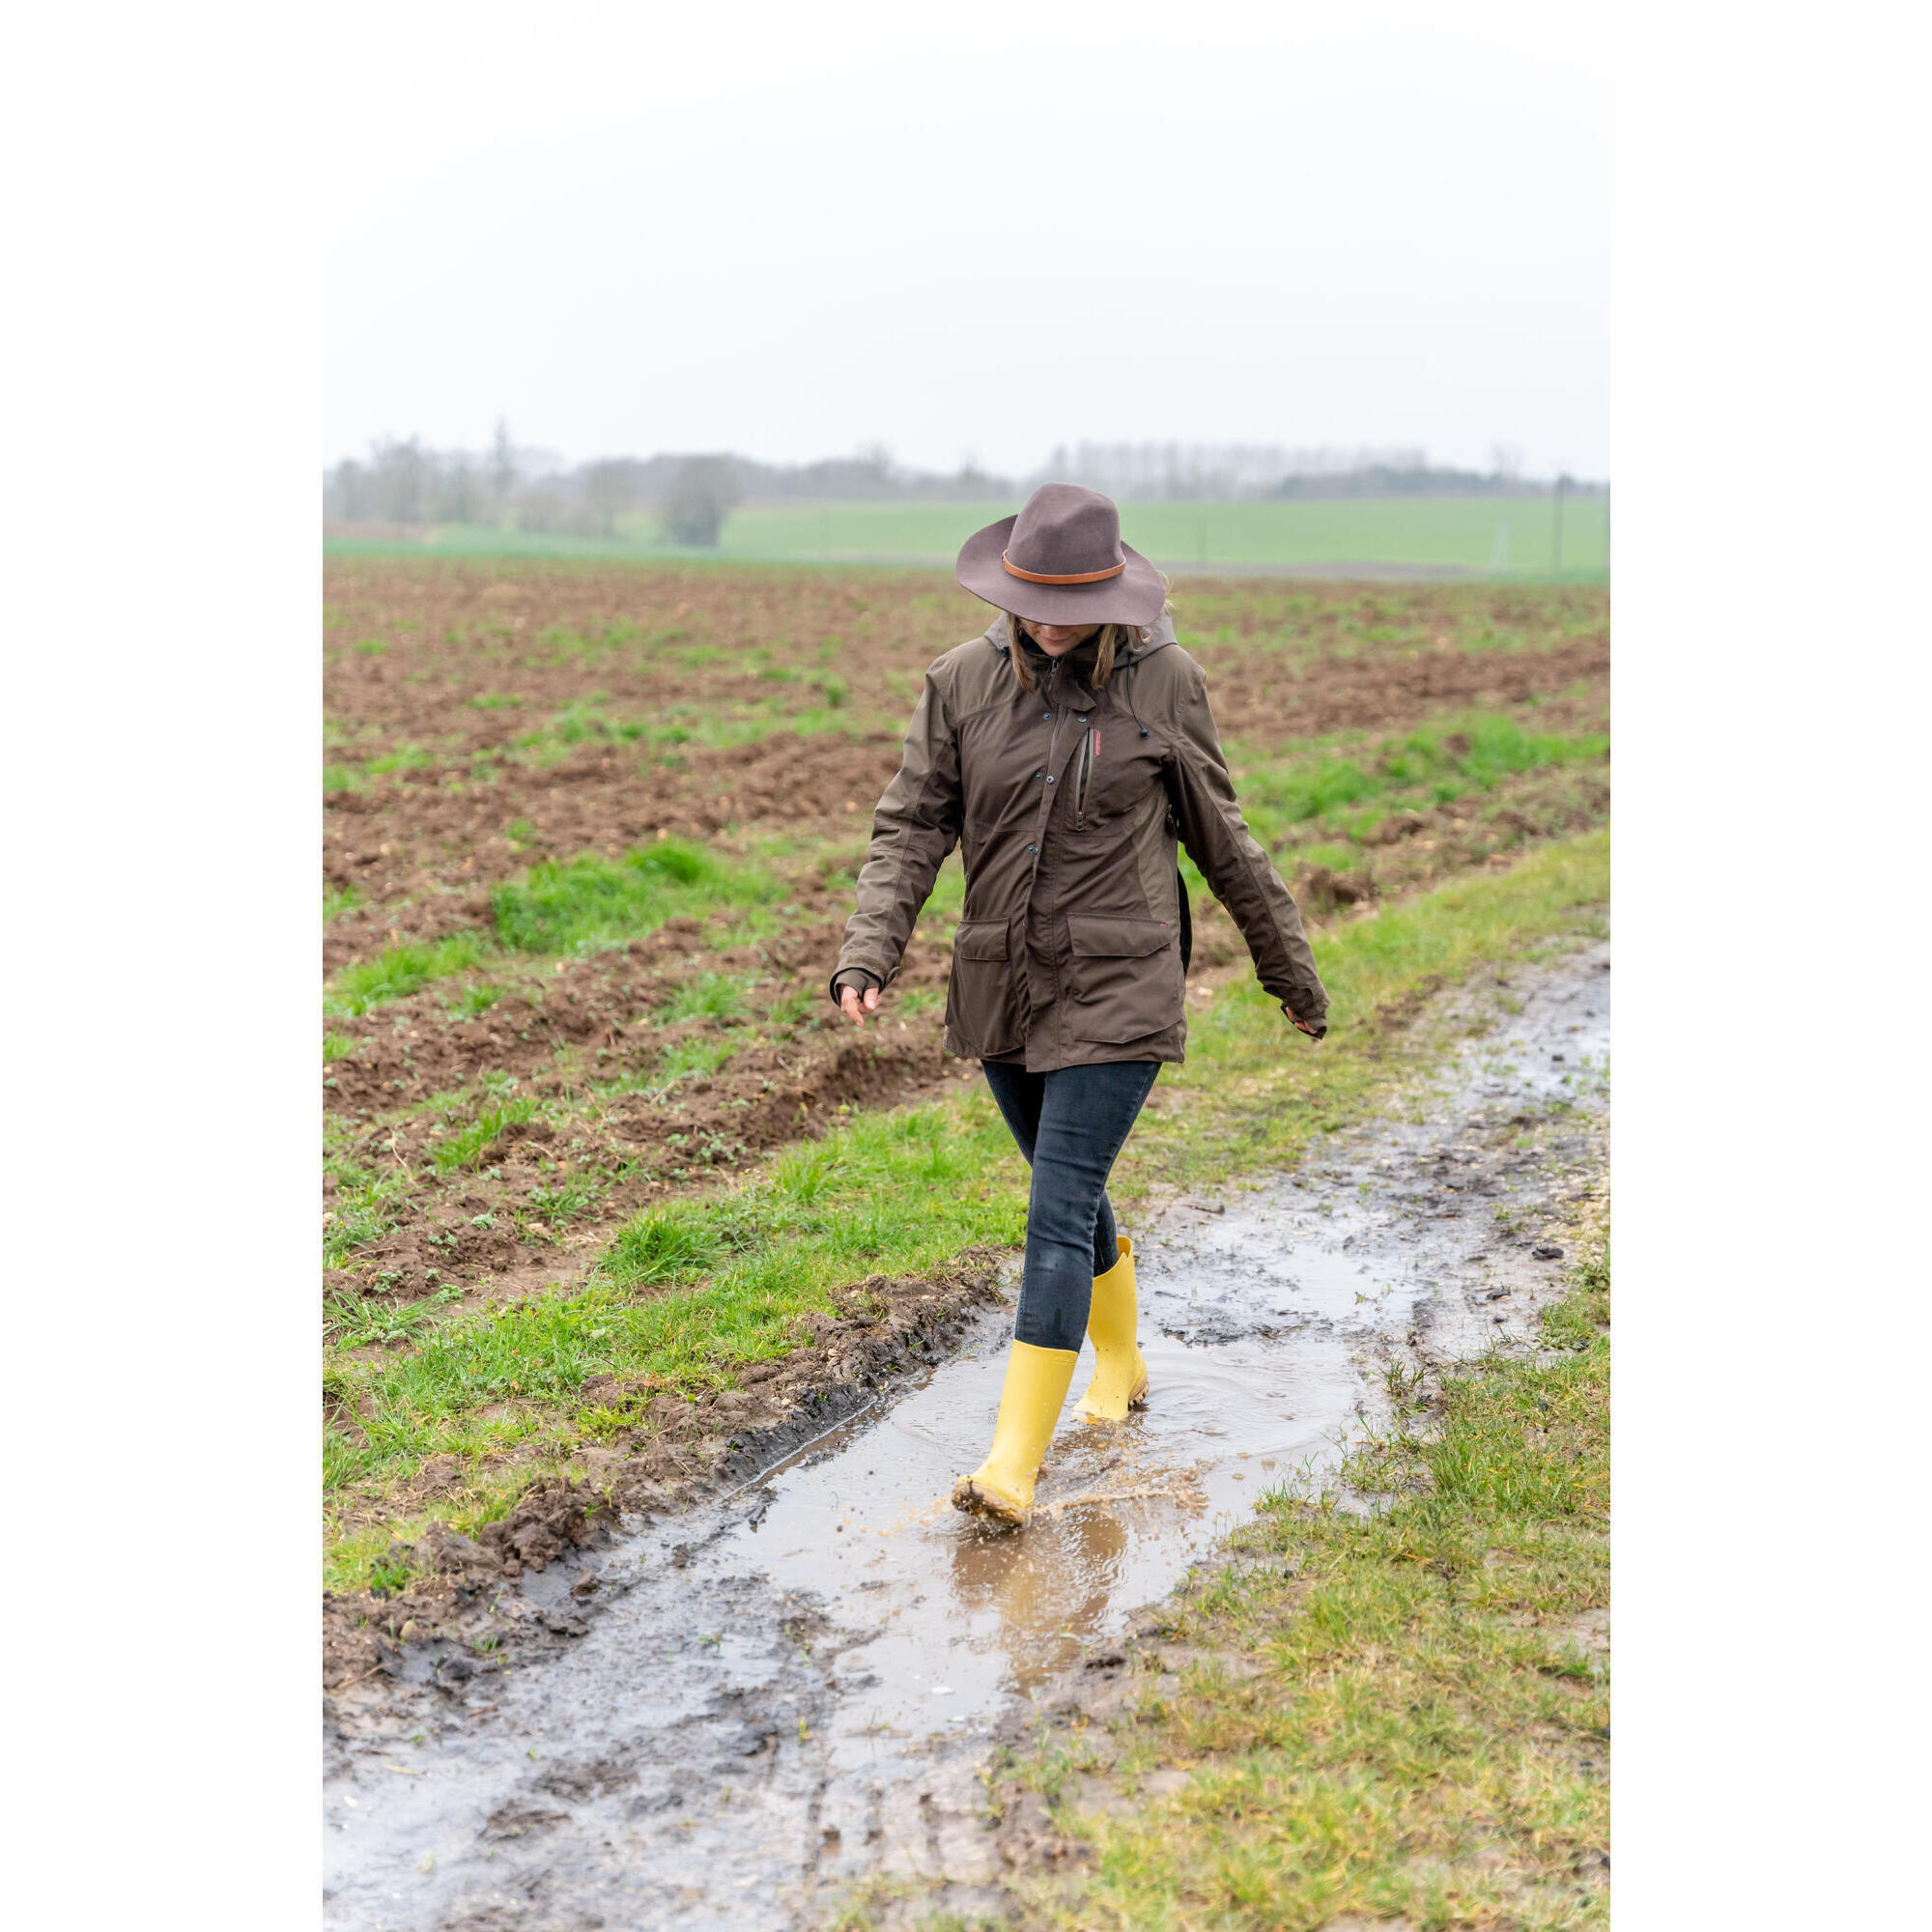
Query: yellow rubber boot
{"x": 1030, "y": 1405}
{"x": 1112, "y": 1326}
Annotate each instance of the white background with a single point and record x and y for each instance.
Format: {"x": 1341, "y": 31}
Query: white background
{"x": 164, "y": 426}
{"x": 968, "y": 232}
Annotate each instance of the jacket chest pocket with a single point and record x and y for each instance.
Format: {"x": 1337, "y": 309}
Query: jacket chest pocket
{"x": 982, "y": 996}
{"x": 1122, "y": 979}
{"x": 1110, "y": 772}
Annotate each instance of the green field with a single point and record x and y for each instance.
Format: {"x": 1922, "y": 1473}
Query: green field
{"x": 1498, "y": 536}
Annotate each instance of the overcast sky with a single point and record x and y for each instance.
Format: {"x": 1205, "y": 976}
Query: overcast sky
{"x": 969, "y": 231}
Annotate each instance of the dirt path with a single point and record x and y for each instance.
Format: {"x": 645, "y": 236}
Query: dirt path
{"x": 796, "y": 1689}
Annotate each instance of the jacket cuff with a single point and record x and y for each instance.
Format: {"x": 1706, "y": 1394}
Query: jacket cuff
{"x": 860, "y": 976}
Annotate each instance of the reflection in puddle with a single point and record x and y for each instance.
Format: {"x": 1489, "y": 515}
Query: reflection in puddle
{"x": 934, "y": 1597}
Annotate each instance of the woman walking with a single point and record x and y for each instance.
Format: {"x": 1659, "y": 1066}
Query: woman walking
{"x": 1064, "y": 752}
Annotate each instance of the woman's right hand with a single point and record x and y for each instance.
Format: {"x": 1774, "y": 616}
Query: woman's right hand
{"x": 848, "y": 1002}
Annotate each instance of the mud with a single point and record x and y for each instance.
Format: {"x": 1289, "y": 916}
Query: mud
{"x": 412, "y": 1049}
{"x": 583, "y": 1045}
{"x": 795, "y": 1689}
{"x": 635, "y": 1145}
{"x": 667, "y": 1450}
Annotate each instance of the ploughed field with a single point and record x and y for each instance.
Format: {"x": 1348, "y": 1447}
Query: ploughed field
{"x": 589, "y": 838}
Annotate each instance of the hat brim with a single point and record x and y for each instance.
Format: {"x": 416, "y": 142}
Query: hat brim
{"x": 1137, "y": 596}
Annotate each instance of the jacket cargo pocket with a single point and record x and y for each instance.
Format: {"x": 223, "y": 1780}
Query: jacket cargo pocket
{"x": 982, "y": 1004}
{"x": 1122, "y": 980}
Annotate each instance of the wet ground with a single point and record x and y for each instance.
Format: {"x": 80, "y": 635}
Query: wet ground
{"x": 794, "y": 1689}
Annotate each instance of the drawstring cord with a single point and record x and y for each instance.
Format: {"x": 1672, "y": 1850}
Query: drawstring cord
{"x": 1128, "y": 691}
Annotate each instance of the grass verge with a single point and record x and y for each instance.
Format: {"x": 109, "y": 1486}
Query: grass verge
{"x": 1390, "y": 1714}
{"x": 692, "y": 1293}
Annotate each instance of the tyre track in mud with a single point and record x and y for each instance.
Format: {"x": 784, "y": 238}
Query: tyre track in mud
{"x": 795, "y": 1690}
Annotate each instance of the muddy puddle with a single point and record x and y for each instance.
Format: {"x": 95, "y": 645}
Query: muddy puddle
{"x": 793, "y": 1689}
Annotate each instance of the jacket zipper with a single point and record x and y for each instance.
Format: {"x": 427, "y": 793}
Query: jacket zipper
{"x": 1084, "y": 772}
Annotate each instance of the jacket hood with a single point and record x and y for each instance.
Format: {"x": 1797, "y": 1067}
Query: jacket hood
{"x": 1159, "y": 634}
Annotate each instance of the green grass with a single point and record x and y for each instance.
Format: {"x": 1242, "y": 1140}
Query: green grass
{"x": 1468, "y": 756}
{"x": 665, "y": 1244}
{"x": 905, "y": 1192}
{"x": 355, "y": 1322}
{"x": 571, "y": 906}
{"x": 586, "y": 719}
{"x": 577, "y": 905}
{"x": 711, "y": 996}
{"x": 473, "y": 1002}
{"x": 404, "y": 758}
{"x": 786, "y": 1011}
{"x": 1499, "y": 535}
{"x": 718, "y": 725}
{"x": 366, "y": 1208}
{"x": 573, "y": 1197}
{"x": 402, "y": 970}
{"x": 341, "y": 777}
{"x": 706, "y": 1054}
{"x": 1416, "y": 1732}
{"x": 470, "y": 1144}
{"x": 686, "y": 1293}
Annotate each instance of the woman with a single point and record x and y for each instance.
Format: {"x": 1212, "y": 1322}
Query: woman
{"x": 1064, "y": 752}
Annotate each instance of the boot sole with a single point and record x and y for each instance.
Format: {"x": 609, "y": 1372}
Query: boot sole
{"x": 976, "y": 1500}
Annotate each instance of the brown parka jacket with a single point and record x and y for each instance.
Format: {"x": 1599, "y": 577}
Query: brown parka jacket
{"x": 1065, "y": 803}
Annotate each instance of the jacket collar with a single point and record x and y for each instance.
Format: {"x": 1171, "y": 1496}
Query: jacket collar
{"x": 1160, "y": 633}
{"x": 1075, "y": 694}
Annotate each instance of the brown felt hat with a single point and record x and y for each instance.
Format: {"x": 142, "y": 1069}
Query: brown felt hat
{"x": 1061, "y": 561}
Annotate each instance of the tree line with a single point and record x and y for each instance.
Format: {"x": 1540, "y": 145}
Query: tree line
{"x": 402, "y": 481}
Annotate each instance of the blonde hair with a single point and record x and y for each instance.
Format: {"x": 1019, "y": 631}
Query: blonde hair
{"x": 1112, "y": 641}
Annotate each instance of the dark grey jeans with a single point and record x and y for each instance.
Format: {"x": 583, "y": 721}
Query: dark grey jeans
{"x": 1071, "y": 1126}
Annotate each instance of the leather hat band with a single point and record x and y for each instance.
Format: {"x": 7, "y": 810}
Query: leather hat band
{"x": 1071, "y": 576}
